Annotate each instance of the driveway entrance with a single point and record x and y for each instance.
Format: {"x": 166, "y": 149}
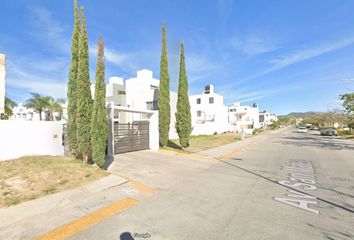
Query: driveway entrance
{"x": 130, "y": 137}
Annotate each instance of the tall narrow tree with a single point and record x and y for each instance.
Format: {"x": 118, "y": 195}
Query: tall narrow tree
{"x": 183, "y": 114}
{"x": 164, "y": 93}
{"x": 84, "y": 100}
{"x": 72, "y": 83}
{"x": 99, "y": 123}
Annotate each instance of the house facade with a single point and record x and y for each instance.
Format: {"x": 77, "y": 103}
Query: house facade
{"x": 266, "y": 118}
{"x": 20, "y": 112}
{"x": 244, "y": 118}
{"x": 208, "y": 112}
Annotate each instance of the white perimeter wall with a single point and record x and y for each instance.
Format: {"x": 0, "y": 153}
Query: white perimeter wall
{"x": 154, "y": 131}
{"x": 24, "y": 138}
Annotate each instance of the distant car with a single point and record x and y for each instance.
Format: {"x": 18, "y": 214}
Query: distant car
{"x": 314, "y": 128}
{"x": 329, "y": 132}
{"x": 301, "y": 130}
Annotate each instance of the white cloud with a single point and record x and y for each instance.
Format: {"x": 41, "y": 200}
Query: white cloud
{"x": 31, "y": 80}
{"x": 346, "y": 80}
{"x": 111, "y": 55}
{"x": 302, "y": 55}
{"x": 46, "y": 28}
{"x": 249, "y": 95}
{"x": 253, "y": 46}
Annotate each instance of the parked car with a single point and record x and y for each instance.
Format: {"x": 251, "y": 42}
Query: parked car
{"x": 329, "y": 132}
{"x": 314, "y": 128}
{"x": 301, "y": 130}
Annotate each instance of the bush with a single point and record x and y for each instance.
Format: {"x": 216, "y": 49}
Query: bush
{"x": 274, "y": 125}
{"x": 215, "y": 133}
{"x": 342, "y": 132}
{"x": 257, "y": 130}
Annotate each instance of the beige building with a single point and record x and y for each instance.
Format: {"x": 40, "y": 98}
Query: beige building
{"x": 2, "y": 83}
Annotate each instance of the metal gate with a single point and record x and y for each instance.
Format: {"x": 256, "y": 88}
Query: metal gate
{"x": 129, "y": 137}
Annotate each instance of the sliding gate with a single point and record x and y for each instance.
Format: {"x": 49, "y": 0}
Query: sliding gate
{"x": 129, "y": 137}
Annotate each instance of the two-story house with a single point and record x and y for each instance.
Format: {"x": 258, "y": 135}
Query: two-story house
{"x": 208, "y": 112}
{"x": 244, "y": 118}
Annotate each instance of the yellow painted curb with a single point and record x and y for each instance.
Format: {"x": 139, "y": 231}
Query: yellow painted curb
{"x": 141, "y": 187}
{"x": 84, "y": 222}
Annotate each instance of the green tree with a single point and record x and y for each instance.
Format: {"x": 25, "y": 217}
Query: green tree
{"x": 164, "y": 93}
{"x": 72, "y": 83}
{"x": 9, "y": 105}
{"x": 38, "y": 103}
{"x": 348, "y": 102}
{"x": 183, "y": 115}
{"x": 83, "y": 92}
{"x": 99, "y": 123}
{"x": 55, "y": 105}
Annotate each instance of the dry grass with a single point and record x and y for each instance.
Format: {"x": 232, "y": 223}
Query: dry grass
{"x": 204, "y": 142}
{"x": 29, "y": 178}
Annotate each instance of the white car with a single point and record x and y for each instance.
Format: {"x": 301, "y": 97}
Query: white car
{"x": 301, "y": 130}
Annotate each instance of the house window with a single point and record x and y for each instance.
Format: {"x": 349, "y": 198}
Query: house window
{"x": 199, "y": 113}
{"x": 199, "y": 100}
{"x": 121, "y": 92}
{"x": 152, "y": 105}
{"x": 211, "y": 100}
{"x": 207, "y": 89}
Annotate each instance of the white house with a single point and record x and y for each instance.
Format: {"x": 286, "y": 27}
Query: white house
{"x": 266, "y": 118}
{"x": 208, "y": 112}
{"x": 2, "y": 83}
{"x": 20, "y": 112}
{"x": 142, "y": 93}
{"x": 244, "y": 118}
{"x": 115, "y": 91}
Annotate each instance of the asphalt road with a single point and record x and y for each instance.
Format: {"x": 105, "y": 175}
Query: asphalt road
{"x": 284, "y": 185}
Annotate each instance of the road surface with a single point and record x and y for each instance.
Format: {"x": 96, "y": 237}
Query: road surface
{"x": 284, "y": 185}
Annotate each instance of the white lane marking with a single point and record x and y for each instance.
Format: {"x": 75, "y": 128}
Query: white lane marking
{"x": 303, "y": 204}
{"x": 301, "y": 175}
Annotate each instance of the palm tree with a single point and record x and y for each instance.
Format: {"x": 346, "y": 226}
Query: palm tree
{"x": 9, "y": 105}
{"x": 38, "y": 103}
{"x": 55, "y": 106}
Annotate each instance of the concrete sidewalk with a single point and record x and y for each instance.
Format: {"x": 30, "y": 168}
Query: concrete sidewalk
{"x": 33, "y": 218}
{"x": 231, "y": 149}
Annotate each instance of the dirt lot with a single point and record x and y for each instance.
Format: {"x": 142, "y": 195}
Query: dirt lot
{"x": 29, "y": 178}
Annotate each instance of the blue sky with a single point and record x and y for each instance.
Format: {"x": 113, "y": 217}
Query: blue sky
{"x": 285, "y": 55}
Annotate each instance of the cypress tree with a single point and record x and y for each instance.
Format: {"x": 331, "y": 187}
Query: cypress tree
{"x": 72, "y": 83}
{"x": 99, "y": 123}
{"x": 84, "y": 101}
{"x": 183, "y": 114}
{"x": 164, "y": 93}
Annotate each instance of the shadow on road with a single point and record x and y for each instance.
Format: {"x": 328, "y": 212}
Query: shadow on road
{"x": 346, "y": 207}
{"x": 126, "y": 236}
{"x": 331, "y": 143}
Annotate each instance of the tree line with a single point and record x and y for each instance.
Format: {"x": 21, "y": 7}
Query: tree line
{"x": 183, "y": 115}
{"x": 87, "y": 129}
{"x": 37, "y": 102}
